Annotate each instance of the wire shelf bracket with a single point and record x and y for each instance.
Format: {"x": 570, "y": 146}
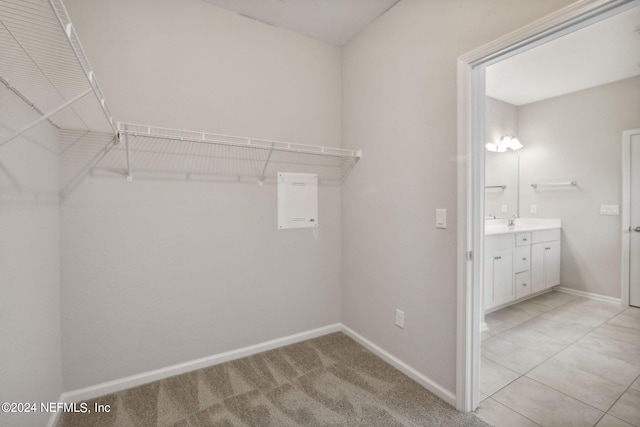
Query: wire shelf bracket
{"x": 43, "y": 118}
{"x": 74, "y": 43}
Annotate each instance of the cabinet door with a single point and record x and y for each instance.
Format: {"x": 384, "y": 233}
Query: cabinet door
{"x": 545, "y": 265}
{"x": 538, "y": 281}
{"x": 503, "y": 287}
{"x": 552, "y": 263}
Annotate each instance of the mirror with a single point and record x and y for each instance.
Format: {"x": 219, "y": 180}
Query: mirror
{"x": 502, "y": 170}
{"x": 547, "y": 95}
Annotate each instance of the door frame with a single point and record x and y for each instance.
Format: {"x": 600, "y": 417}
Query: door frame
{"x": 470, "y": 174}
{"x": 625, "y": 211}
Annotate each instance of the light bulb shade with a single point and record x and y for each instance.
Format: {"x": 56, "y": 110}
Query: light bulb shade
{"x": 491, "y": 146}
{"x": 516, "y": 144}
{"x": 505, "y": 142}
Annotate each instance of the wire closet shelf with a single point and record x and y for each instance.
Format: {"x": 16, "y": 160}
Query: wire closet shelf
{"x": 44, "y": 67}
{"x": 262, "y": 158}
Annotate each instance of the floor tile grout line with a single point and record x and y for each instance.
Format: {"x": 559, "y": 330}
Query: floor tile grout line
{"x": 608, "y": 355}
{"x": 511, "y": 409}
{"x": 596, "y": 375}
{"x": 544, "y": 361}
{"x": 572, "y": 397}
{"x": 565, "y": 346}
{"x": 617, "y": 339}
{"x": 616, "y": 401}
{"x": 552, "y": 356}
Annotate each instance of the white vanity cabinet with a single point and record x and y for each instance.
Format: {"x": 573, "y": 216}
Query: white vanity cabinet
{"x": 518, "y": 264}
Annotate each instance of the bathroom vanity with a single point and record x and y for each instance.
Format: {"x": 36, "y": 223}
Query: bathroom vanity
{"x": 520, "y": 260}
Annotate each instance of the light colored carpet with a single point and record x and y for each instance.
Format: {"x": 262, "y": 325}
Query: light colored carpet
{"x": 326, "y": 381}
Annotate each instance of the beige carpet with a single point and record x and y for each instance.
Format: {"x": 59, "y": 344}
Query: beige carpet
{"x": 326, "y": 381}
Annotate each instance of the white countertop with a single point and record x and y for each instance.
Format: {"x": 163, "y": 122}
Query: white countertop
{"x": 500, "y": 226}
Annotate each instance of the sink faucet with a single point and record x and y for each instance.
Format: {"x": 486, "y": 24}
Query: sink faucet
{"x": 511, "y": 221}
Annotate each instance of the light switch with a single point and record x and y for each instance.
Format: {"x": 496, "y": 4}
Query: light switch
{"x": 504, "y": 208}
{"x": 441, "y": 218}
{"x": 533, "y": 209}
{"x": 609, "y": 210}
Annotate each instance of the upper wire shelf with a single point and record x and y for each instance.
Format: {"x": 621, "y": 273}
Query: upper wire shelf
{"x": 43, "y": 62}
{"x": 150, "y": 148}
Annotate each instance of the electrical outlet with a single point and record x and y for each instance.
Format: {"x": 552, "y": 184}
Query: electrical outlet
{"x": 400, "y": 318}
{"x": 504, "y": 208}
{"x": 533, "y": 209}
{"x": 609, "y": 210}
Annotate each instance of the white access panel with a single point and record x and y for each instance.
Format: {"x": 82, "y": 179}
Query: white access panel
{"x": 297, "y": 200}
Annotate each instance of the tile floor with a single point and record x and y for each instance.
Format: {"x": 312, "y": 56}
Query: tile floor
{"x": 561, "y": 360}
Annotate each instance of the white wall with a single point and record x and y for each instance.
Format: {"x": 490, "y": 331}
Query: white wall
{"x": 578, "y": 137}
{"x": 400, "y": 106}
{"x": 158, "y": 272}
{"x": 501, "y": 168}
{"x": 30, "y": 356}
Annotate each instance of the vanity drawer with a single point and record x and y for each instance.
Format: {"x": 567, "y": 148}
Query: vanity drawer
{"x": 523, "y": 238}
{"x": 522, "y": 259}
{"x": 546, "y": 235}
{"x": 523, "y": 284}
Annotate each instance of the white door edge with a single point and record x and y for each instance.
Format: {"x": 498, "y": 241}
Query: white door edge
{"x": 625, "y": 210}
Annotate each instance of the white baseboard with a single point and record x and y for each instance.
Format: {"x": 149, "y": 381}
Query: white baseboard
{"x": 169, "y": 371}
{"x": 588, "y": 295}
{"x": 412, "y": 373}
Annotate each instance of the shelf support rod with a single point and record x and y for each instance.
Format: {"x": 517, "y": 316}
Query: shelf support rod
{"x": 44, "y": 117}
{"x": 264, "y": 169}
{"x": 126, "y": 144}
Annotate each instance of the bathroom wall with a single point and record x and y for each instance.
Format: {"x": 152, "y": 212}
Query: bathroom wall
{"x": 30, "y": 355}
{"x": 399, "y": 102}
{"x": 164, "y": 270}
{"x": 579, "y": 137}
{"x": 501, "y": 119}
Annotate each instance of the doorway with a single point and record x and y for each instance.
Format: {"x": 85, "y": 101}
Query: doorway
{"x": 631, "y": 217}
{"x": 471, "y": 181}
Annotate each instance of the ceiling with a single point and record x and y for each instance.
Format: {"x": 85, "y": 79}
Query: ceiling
{"x": 598, "y": 54}
{"x": 595, "y": 55}
{"x": 331, "y": 21}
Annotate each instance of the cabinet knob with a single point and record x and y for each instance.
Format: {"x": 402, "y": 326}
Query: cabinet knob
{"x": 547, "y": 249}
{"x": 524, "y": 259}
{"x": 524, "y": 284}
{"x": 497, "y": 257}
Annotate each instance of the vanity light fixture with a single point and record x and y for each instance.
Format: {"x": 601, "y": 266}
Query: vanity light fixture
{"x": 506, "y": 141}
